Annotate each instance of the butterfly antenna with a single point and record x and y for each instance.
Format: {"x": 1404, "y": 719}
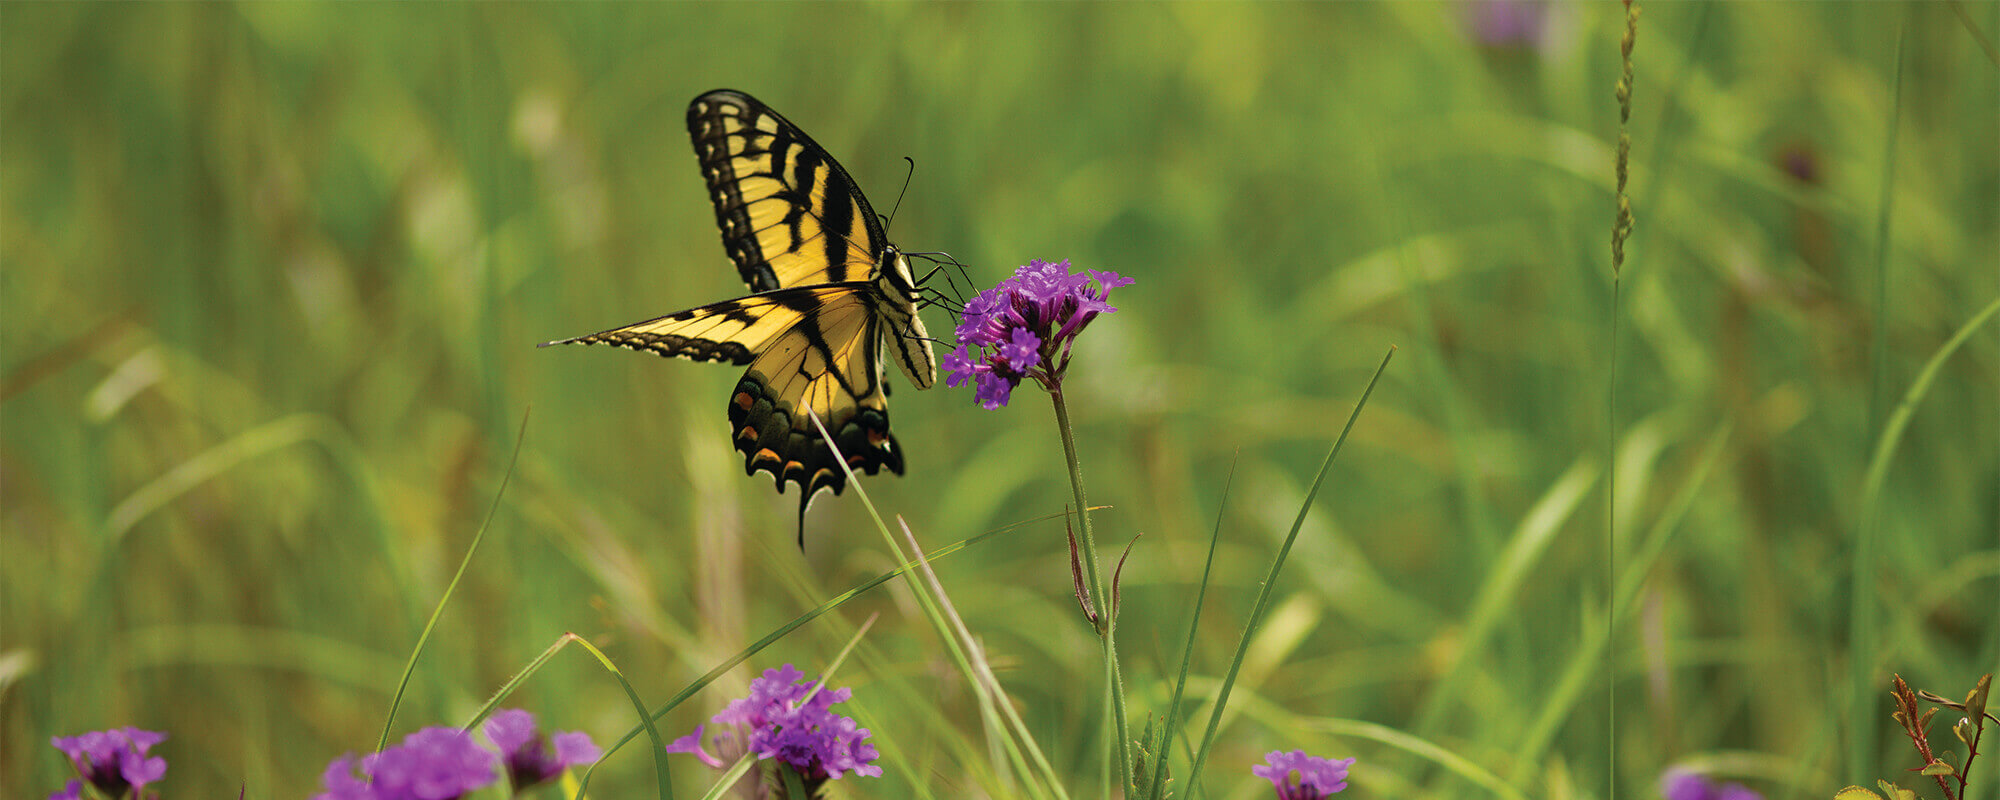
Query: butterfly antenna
{"x": 907, "y": 174}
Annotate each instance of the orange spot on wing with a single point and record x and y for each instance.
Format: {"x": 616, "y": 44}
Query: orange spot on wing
{"x": 745, "y": 401}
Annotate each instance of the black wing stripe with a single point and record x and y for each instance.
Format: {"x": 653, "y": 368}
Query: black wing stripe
{"x": 837, "y": 218}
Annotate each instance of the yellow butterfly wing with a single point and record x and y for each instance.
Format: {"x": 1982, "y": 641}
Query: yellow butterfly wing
{"x": 789, "y": 213}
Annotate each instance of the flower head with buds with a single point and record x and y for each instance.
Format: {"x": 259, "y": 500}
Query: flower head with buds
{"x": 432, "y": 764}
{"x": 1298, "y": 776}
{"x": 1684, "y": 785}
{"x": 1024, "y": 327}
{"x": 778, "y": 721}
{"x": 527, "y": 753}
{"x": 114, "y": 761}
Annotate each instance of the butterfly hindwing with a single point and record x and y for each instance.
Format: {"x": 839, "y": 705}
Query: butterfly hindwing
{"x": 829, "y": 363}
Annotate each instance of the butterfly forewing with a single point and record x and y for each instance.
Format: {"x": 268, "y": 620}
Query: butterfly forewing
{"x": 790, "y": 215}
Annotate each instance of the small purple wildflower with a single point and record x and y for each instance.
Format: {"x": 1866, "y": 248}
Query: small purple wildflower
{"x": 1298, "y": 776}
{"x": 1024, "y": 327}
{"x": 341, "y": 783}
{"x": 431, "y": 764}
{"x": 772, "y": 723}
{"x": 526, "y": 752}
{"x": 1509, "y": 23}
{"x": 114, "y": 761}
{"x": 1683, "y": 785}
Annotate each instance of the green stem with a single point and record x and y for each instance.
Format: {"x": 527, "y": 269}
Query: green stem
{"x": 1107, "y": 621}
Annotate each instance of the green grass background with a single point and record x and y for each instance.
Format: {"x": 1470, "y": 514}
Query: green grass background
{"x": 273, "y": 274}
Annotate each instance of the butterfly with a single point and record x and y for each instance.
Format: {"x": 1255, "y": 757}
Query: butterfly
{"x": 830, "y": 294}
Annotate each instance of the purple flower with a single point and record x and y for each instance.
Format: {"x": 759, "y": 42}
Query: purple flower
{"x": 526, "y": 751}
{"x": 776, "y": 721}
{"x": 1508, "y": 23}
{"x": 1024, "y": 327}
{"x": 431, "y": 764}
{"x": 1683, "y": 785}
{"x": 341, "y": 784}
{"x": 114, "y": 761}
{"x": 1298, "y": 776}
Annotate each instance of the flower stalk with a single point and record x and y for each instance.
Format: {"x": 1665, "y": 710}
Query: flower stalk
{"x": 1024, "y": 329}
{"x": 1106, "y": 619}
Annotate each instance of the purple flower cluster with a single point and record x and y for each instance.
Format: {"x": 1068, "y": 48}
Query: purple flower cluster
{"x": 114, "y": 761}
{"x": 431, "y": 764}
{"x": 1298, "y": 776}
{"x": 772, "y": 722}
{"x": 1683, "y": 785}
{"x": 1509, "y": 23}
{"x": 527, "y": 752}
{"x": 1023, "y": 328}
{"x": 445, "y": 763}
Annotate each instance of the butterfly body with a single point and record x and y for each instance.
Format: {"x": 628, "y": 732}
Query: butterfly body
{"x": 829, "y": 295}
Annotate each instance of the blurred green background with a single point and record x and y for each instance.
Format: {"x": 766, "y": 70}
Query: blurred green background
{"x": 274, "y": 272}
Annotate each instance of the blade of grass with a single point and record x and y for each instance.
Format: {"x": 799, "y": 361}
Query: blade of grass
{"x": 933, "y": 610}
{"x": 662, "y": 770}
{"x": 1171, "y": 720}
{"x": 1972, "y": 28}
{"x": 1530, "y": 540}
{"x": 519, "y": 677}
{"x": 1422, "y": 748}
{"x": 730, "y": 776}
{"x": 416, "y": 652}
{"x": 264, "y": 439}
{"x": 1592, "y": 652}
{"x": 1862, "y": 599}
{"x": 826, "y": 675}
{"x": 1868, "y": 537}
{"x": 834, "y": 602}
{"x": 977, "y": 655}
{"x": 1271, "y": 579}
